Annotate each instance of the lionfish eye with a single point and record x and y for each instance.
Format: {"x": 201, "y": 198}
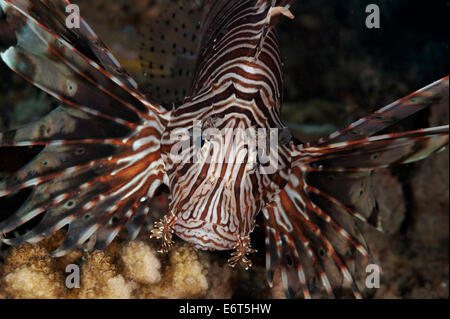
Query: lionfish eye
{"x": 253, "y": 163}
{"x": 258, "y": 161}
{"x": 203, "y": 139}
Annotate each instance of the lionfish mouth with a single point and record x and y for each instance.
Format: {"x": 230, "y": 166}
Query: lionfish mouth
{"x": 205, "y": 235}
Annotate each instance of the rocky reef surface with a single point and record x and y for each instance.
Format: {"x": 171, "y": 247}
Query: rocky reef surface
{"x": 124, "y": 270}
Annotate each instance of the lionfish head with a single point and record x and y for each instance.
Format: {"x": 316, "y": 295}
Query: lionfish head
{"x": 214, "y": 167}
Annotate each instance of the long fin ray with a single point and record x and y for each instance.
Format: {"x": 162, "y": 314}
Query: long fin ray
{"x": 375, "y": 152}
{"x": 38, "y": 47}
{"x": 392, "y": 113}
{"x": 53, "y": 16}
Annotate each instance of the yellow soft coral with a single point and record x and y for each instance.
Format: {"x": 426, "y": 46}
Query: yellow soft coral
{"x": 100, "y": 279}
{"x": 124, "y": 270}
{"x": 29, "y": 272}
{"x": 140, "y": 263}
{"x": 185, "y": 276}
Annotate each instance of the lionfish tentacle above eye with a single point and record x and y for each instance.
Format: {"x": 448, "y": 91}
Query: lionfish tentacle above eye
{"x": 102, "y": 162}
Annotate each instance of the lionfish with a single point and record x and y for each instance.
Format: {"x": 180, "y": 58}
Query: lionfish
{"x": 109, "y": 146}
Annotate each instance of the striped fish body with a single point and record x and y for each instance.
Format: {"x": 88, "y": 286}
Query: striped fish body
{"x": 219, "y": 186}
{"x": 223, "y": 152}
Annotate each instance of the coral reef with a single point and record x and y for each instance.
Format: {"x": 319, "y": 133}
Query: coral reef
{"x": 140, "y": 263}
{"x": 29, "y": 272}
{"x": 124, "y": 270}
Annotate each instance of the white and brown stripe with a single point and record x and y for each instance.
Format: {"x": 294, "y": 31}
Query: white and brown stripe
{"x": 215, "y": 202}
{"x": 108, "y": 148}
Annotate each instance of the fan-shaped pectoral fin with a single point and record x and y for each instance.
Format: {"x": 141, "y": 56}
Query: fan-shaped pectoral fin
{"x": 307, "y": 242}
